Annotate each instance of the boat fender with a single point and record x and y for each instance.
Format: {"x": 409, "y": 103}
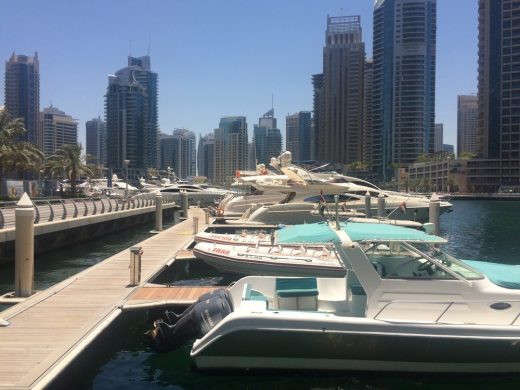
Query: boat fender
{"x": 171, "y": 317}
{"x": 220, "y": 212}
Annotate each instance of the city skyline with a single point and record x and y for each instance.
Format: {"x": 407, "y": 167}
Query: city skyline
{"x": 206, "y": 70}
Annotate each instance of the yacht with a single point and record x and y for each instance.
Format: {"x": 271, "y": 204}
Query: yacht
{"x": 296, "y": 185}
{"x": 403, "y": 305}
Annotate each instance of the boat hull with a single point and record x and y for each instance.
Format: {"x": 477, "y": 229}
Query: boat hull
{"x": 351, "y": 350}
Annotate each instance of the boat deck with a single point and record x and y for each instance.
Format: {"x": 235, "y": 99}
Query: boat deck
{"x": 48, "y": 330}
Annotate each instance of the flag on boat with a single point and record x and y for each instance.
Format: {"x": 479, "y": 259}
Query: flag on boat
{"x": 344, "y": 207}
{"x": 402, "y": 207}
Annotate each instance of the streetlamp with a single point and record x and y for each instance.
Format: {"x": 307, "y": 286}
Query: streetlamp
{"x": 125, "y": 167}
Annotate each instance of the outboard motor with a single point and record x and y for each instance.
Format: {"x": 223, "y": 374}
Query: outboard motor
{"x": 194, "y": 322}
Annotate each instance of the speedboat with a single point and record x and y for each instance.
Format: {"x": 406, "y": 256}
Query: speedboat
{"x": 402, "y": 306}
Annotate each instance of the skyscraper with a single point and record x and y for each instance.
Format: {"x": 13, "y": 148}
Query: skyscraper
{"x": 206, "y": 157}
{"x": 96, "y": 137}
{"x": 58, "y": 129}
{"x": 231, "y": 147}
{"x": 267, "y": 139}
{"x": 131, "y": 117}
{"x": 177, "y": 151}
{"x": 22, "y": 94}
{"x": 340, "y": 128}
{"x": 467, "y": 120}
{"x": 404, "y": 81}
{"x": 298, "y": 132}
{"x": 370, "y": 148}
{"x": 438, "y": 137}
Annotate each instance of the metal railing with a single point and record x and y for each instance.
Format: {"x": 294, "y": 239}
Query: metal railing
{"x": 49, "y": 210}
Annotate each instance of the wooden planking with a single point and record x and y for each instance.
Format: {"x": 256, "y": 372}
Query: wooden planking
{"x": 176, "y": 293}
{"x": 52, "y": 327}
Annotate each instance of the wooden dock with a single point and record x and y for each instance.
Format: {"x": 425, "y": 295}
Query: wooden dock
{"x": 48, "y": 330}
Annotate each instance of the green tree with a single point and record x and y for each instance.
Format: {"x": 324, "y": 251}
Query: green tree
{"x": 67, "y": 161}
{"x": 467, "y": 155}
{"x": 15, "y": 155}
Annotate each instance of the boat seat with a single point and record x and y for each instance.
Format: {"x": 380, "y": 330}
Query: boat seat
{"x": 248, "y": 294}
{"x": 297, "y": 293}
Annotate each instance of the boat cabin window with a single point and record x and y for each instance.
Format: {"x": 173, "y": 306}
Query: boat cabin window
{"x": 400, "y": 260}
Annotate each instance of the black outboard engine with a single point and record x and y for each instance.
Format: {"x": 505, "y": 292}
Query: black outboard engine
{"x": 197, "y": 320}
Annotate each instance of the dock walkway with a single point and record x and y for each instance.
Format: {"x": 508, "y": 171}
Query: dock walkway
{"x": 48, "y": 330}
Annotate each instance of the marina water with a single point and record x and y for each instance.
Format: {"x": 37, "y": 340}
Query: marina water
{"x": 477, "y": 230}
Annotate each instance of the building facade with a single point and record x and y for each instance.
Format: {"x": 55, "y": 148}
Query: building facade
{"x": 206, "y": 157}
{"x": 369, "y": 147}
{"x": 467, "y": 121}
{"x": 267, "y": 139}
{"x": 404, "y": 49}
{"x": 178, "y": 152}
{"x": 22, "y": 94}
{"x": 131, "y": 117}
{"x": 231, "y": 148}
{"x": 96, "y": 138}
{"x": 59, "y": 129}
{"x": 340, "y": 138}
{"x": 298, "y": 129}
{"x": 438, "y": 137}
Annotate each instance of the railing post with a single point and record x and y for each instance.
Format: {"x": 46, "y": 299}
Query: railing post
{"x": 94, "y": 212}
{"x": 24, "y": 247}
{"x": 51, "y": 214}
{"x": 175, "y": 216}
{"x": 184, "y": 203}
{"x": 135, "y": 265}
{"x": 434, "y": 212}
{"x": 158, "y": 211}
{"x": 381, "y": 206}
{"x": 75, "y": 209}
{"x": 368, "y": 206}
{"x": 64, "y": 216}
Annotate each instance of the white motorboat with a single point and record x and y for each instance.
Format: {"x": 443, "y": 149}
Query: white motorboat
{"x": 290, "y": 259}
{"x": 199, "y": 194}
{"x": 297, "y": 185}
{"x": 402, "y": 306}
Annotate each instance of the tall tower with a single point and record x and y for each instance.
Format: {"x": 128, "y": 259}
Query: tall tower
{"x": 131, "y": 117}
{"x": 298, "y": 128}
{"x": 370, "y": 148}
{"x": 404, "y": 81}
{"x": 340, "y": 131}
{"x": 206, "y": 157}
{"x": 267, "y": 139}
{"x": 22, "y": 94}
{"x": 467, "y": 120}
{"x": 96, "y": 134}
{"x": 59, "y": 129}
{"x": 231, "y": 147}
{"x": 499, "y": 86}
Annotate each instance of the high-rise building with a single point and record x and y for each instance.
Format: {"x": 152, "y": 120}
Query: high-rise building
{"x": 298, "y": 129}
{"x": 131, "y": 117}
{"x": 267, "y": 139}
{"x": 206, "y": 157}
{"x": 467, "y": 121}
{"x": 22, "y": 94}
{"x": 370, "y": 148}
{"x": 96, "y": 137}
{"x": 231, "y": 147}
{"x": 404, "y": 81}
{"x": 438, "y": 137}
{"x": 499, "y": 87}
{"x": 177, "y": 151}
{"x": 59, "y": 129}
{"x": 340, "y": 128}
{"x": 318, "y": 107}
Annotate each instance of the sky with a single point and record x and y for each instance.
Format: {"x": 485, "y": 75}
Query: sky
{"x": 214, "y": 58}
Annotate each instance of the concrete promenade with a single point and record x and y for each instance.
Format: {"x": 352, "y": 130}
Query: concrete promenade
{"x": 45, "y": 333}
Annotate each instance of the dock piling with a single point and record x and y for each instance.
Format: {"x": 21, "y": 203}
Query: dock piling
{"x": 434, "y": 212}
{"x": 368, "y": 206}
{"x": 381, "y": 206}
{"x": 158, "y": 211}
{"x": 206, "y": 216}
{"x": 135, "y": 265}
{"x": 184, "y": 203}
{"x": 195, "y": 225}
{"x": 24, "y": 247}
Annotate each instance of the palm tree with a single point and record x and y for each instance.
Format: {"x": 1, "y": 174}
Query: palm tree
{"x": 14, "y": 154}
{"x": 68, "y": 161}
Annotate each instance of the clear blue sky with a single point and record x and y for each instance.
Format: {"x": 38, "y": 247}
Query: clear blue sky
{"x": 214, "y": 58}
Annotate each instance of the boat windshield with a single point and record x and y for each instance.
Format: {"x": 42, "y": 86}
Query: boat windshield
{"x": 401, "y": 260}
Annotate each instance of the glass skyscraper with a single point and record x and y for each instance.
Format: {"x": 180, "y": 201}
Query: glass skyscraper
{"x": 403, "y": 82}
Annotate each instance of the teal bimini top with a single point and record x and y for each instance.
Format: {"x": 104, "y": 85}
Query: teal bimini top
{"x": 503, "y": 275}
{"x": 321, "y": 232}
